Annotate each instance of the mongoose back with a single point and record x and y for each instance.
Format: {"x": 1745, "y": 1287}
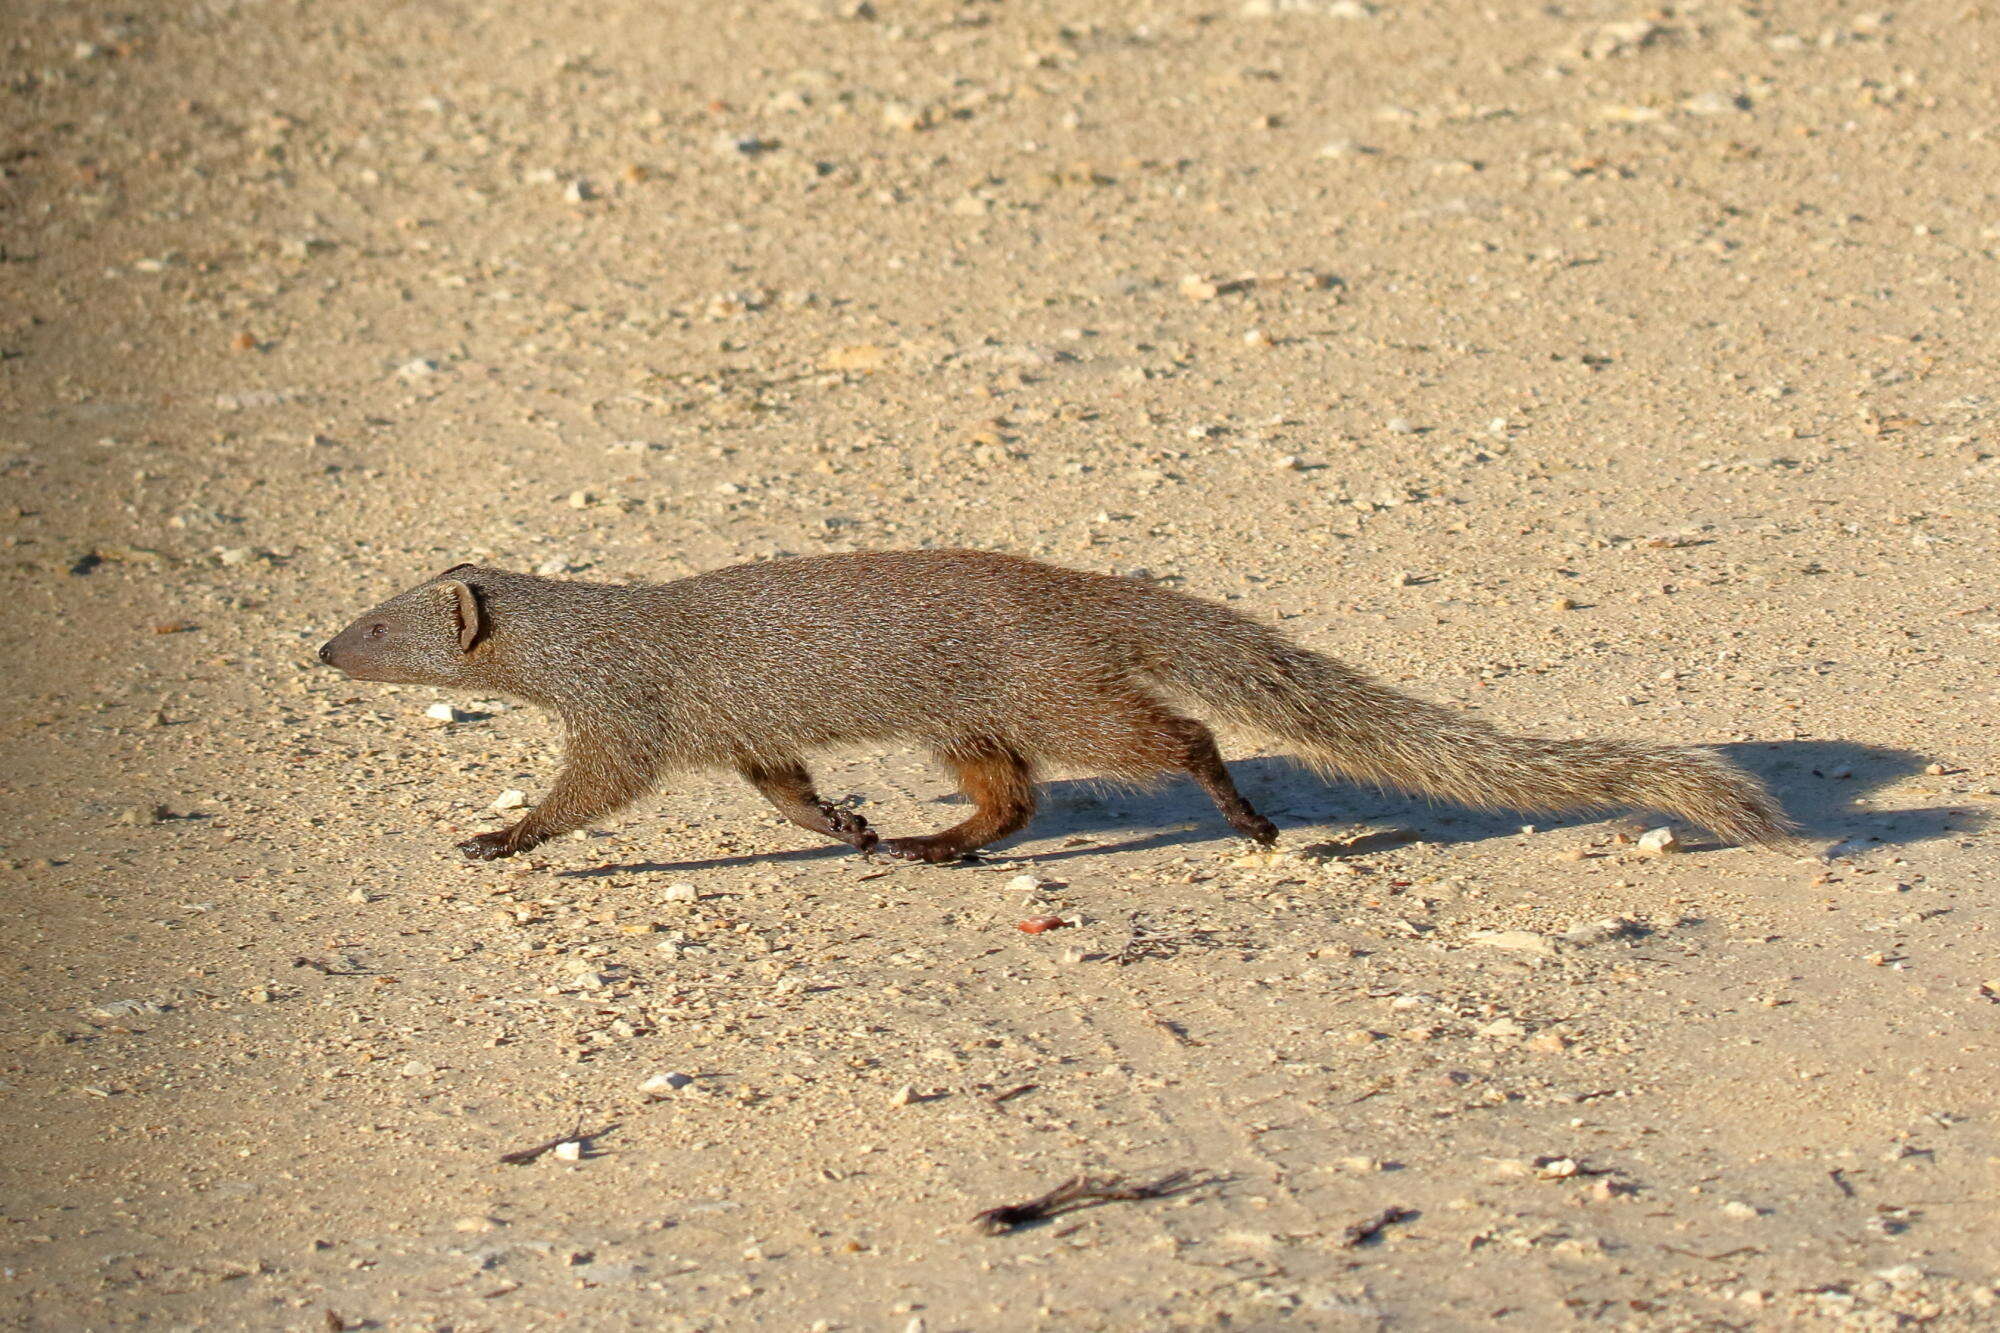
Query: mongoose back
{"x": 1001, "y": 667}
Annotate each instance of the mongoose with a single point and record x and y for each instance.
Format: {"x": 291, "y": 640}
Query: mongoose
{"x": 1002, "y": 667}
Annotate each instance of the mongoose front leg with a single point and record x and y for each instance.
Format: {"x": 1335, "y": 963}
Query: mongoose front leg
{"x": 789, "y": 788}
{"x": 1203, "y": 760}
{"x": 1003, "y": 799}
{"x": 584, "y": 791}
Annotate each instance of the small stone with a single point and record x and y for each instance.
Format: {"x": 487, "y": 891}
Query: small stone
{"x": 570, "y": 1151}
{"x": 1563, "y": 604}
{"x": 420, "y": 368}
{"x": 127, "y": 1009}
{"x": 906, "y": 117}
{"x": 443, "y": 713}
{"x": 856, "y": 356}
{"x": 1737, "y": 1208}
{"x": 1258, "y": 338}
{"x": 1526, "y": 941}
{"x": 1601, "y": 931}
{"x": 1558, "y": 1168}
{"x": 579, "y": 192}
{"x": 1659, "y": 842}
{"x": 1936, "y": 770}
{"x": 1032, "y": 884}
{"x": 580, "y": 499}
{"x": 511, "y": 799}
{"x": 477, "y": 1224}
{"x": 144, "y": 814}
{"x": 1504, "y": 1029}
{"x": 415, "y": 1069}
{"x": 1400, "y": 426}
{"x": 904, "y": 1095}
{"x": 1548, "y": 1043}
{"x": 663, "y": 1083}
{"x": 1197, "y": 288}
{"x": 681, "y": 892}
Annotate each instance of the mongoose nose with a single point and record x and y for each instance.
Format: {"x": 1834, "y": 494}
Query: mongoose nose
{"x": 326, "y": 653}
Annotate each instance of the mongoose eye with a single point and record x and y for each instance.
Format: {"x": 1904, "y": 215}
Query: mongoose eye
{"x": 377, "y": 631}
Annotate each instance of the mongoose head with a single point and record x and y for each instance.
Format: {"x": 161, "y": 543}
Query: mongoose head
{"x": 425, "y": 636}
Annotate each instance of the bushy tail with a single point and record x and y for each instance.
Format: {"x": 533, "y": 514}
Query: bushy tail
{"x": 1351, "y": 726}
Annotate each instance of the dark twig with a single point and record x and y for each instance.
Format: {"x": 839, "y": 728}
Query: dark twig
{"x": 327, "y": 970}
{"x": 1148, "y": 941}
{"x": 1083, "y": 1192}
{"x": 1368, "y": 1228}
{"x": 523, "y": 1156}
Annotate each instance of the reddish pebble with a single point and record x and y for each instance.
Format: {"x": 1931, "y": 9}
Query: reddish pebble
{"x": 244, "y": 342}
{"x": 1035, "y": 925}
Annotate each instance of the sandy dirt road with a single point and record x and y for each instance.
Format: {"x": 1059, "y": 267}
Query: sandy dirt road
{"x": 1606, "y": 369}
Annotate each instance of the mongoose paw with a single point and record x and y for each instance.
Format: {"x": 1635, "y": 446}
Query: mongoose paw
{"x": 1261, "y": 831}
{"x": 489, "y": 846}
{"x": 849, "y": 827}
{"x": 924, "y": 851}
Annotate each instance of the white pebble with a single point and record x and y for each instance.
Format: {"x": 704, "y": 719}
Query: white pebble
{"x": 682, "y": 892}
{"x": 665, "y": 1083}
{"x": 511, "y": 799}
{"x": 1658, "y": 842}
{"x": 571, "y": 1151}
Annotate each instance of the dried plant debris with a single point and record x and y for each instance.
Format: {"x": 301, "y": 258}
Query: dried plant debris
{"x": 1086, "y": 1192}
{"x": 1371, "y": 1227}
{"x": 580, "y": 1137}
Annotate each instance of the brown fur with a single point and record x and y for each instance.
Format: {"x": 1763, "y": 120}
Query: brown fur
{"x": 1001, "y": 667}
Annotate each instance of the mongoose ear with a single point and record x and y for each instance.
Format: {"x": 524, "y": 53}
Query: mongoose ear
{"x": 471, "y": 620}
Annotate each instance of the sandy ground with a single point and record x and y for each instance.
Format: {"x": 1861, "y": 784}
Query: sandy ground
{"x": 1608, "y": 370}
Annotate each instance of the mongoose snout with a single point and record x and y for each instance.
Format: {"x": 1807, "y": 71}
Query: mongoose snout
{"x": 1001, "y": 667}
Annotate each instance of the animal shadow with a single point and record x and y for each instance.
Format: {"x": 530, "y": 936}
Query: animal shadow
{"x": 1818, "y": 782}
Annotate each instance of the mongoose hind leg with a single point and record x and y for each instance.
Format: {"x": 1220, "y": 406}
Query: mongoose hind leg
{"x": 789, "y": 787}
{"x": 1002, "y": 792}
{"x": 1133, "y": 736}
{"x": 1203, "y": 761}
